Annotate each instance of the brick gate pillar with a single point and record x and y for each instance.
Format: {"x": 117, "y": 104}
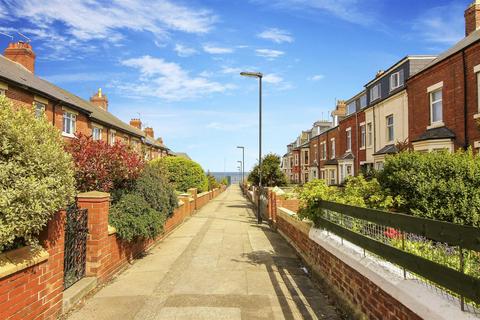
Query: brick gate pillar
{"x": 98, "y": 253}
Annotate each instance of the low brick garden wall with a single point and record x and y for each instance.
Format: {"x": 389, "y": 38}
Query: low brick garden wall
{"x": 32, "y": 281}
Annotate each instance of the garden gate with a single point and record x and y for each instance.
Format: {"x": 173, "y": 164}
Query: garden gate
{"x": 76, "y": 231}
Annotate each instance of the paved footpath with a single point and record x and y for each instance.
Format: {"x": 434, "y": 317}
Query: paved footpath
{"x": 218, "y": 265}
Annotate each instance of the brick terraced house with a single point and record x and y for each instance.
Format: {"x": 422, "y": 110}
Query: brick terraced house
{"x": 426, "y": 103}
{"x": 66, "y": 111}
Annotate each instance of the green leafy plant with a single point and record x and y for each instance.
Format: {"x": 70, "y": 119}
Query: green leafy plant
{"x": 212, "y": 182}
{"x": 310, "y": 195}
{"x": 182, "y": 173}
{"x": 134, "y": 218}
{"x": 36, "y": 174}
{"x": 437, "y": 185}
{"x": 272, "y": 174}
{"x": 155, "y": 189}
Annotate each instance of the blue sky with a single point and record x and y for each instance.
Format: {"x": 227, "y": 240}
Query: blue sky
{"x": 175, "y": 64}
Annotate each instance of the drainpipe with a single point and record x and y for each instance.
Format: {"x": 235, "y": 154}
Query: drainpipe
{"x": 465, "y": 109}
{"x": 357, "y": 160}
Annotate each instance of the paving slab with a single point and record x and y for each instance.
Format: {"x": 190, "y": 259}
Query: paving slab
{"x": 220, "y": 264}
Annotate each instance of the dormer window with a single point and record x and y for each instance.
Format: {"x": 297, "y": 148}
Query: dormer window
{"x": 396, "y": 80}
{"x": 351, "y": 108}
{"x": 375, "y": 92}
{"x": 363, "y": 101}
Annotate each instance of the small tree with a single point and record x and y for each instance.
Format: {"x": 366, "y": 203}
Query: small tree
{"x": 212, "y": 181}
{"x": 36, "y": 174}
{"x": 272, "y": 174}
{"x": 183, "y": 173}
{"x": 102, "y": 167}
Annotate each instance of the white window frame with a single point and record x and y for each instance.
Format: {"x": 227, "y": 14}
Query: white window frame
{"x": 348, "y": 136}
{"x": 438, "y": 87}
{"x": 332, "y": 148}
{"x": 2, "y": 92}
{"x": 70, "y": 118}
{"x": 323, "y": 150}
{"x": 476, "y": 70}
{"x": 363, "y": 136}
{"x": 351, "y": 104}
{"x": 112, "y": 137}
{"x": 398, "y": 77}
{"x": 99, "y": 130}
{"x": 3, "y": 88}
{"x": 39, "y": 108}
{"x": 364, "y": 98}
{"x": 376, "y": 89}
{"x": 389, "y": 127}
{"x": 369, "y": 134}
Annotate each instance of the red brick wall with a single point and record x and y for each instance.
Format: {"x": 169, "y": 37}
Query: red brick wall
{"x": 450, "y": 71}
{"x": 472, "y": 59}
{"x": 350, "y": 122}
{"x": 357, "y": 289}
{"x": 37, "y": 292}
{"x": 362, "y": 154}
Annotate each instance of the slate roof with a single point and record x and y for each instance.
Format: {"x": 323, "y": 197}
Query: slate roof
{"x": 459, "y": 46}
{"x": 388, "y": 149}
{"x": 14, "y": 72}
{"x": 435, "y": 134}
{"x": 152, "y": 142}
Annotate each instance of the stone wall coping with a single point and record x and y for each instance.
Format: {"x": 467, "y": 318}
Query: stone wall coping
{"x": 180, "y": 203}
{"x": 93, "y": 194}
{"x": 111, "y": 230}
{"x": 203, "y": 194}
{"x": 292, "y": 218}
{"x": 19, "y": 259}
{"x": 416, "y": 296}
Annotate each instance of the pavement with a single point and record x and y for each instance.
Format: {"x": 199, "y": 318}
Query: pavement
{"x": 220, "y": 264}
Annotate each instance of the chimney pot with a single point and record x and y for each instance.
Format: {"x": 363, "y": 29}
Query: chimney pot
{"x": 149, "y": 132}
{"x": 100, "y": 100}
{"x": 136, "y": 123}
{"x": 472, "y": 17}
{"x": 22, "y": 53}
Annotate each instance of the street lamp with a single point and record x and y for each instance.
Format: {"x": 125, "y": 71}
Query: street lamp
{"x": 243, "y": 163}
{"x": 241, "y": 168}
{"x": 259, "y": 76}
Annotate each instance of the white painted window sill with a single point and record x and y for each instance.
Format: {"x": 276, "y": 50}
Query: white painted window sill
{"x": 476, "y": 116}
{"x": 362, "y": 148}
{"x": 436, "y": 125}
{"x": 68, "y": 135}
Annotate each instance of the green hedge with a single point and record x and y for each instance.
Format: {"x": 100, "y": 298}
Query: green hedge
{"x": 182, "y": 173}
{"x": 36, "y": 175}
{"x": 438, "y": 185}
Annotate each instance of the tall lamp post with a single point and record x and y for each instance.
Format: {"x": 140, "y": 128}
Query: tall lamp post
{"x": 243, "y": 163}
{"x": 241, "y": 167}
{"x": 259, "y": 76}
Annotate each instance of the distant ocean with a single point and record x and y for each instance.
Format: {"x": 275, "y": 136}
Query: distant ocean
{"x": 233, "y": 177}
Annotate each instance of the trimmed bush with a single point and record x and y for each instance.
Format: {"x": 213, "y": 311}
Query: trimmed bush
{"x": 155, "y": 189}
{"x": 102, "y": 167}
{"x": 212, "y": 182}
{"x": 134, "y": 218}
{"x": 36, "y": 175}
{"x": 182, "y": 173}
{"x": 437, "y": 185}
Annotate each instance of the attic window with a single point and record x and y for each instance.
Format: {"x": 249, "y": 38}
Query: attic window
{"x": 351, "y": 108}
{"x": 396, "y": 80}
{"x": 375, "y": 92}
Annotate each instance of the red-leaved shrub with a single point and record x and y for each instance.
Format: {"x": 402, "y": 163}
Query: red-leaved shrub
{"x": 101, "y": 167}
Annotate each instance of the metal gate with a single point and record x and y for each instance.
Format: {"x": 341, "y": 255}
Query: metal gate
{"x": 76, "y": 231}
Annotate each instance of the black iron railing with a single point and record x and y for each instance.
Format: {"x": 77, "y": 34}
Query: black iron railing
{"x": 76, "y": 231}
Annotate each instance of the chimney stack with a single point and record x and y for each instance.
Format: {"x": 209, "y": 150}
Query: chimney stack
{"x": 136, "y": 123}
{"x": 100, "y": 100}
{"x": 22, "y": 53}
{"x": 149, "y": 132}
{"x": 472, "y": 17}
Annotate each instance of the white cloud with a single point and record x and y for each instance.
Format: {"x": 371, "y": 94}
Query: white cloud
{"x": 276, "y": 35}
{"x": 184, "y": 51}
{"x": 231, "y": 70}
{"x": 91, "y": 19}
{"x": 272, "y": 78}
{"x": 269, "y": 53}
{"x": 216, "y": 50}
{"x": 353, "y": 11}
{"x": 78, "y": 77}
{"x": 441, "y": 25}
{"x": 316, "y": 77}
{"x": 167, "y": 80}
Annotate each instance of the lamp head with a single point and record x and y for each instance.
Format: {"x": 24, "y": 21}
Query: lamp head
{"x": 251, "y": 74}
